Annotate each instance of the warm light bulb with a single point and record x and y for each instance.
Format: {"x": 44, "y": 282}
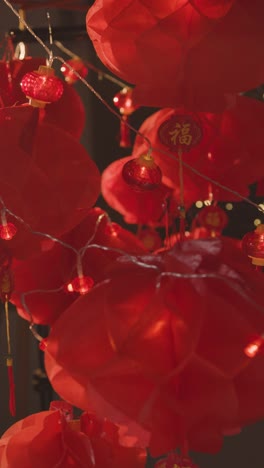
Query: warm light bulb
{"x": 253, "y": 348}
{"x": 7, "y": 231}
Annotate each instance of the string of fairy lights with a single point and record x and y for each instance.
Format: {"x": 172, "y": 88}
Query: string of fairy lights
{"x": 51, "y": 58}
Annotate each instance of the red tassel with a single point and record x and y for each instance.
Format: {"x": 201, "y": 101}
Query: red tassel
{"x": 12, "y": 398}
{"x": 125, "y": 136}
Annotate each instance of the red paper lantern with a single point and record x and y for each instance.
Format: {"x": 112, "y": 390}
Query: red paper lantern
{"x": 253, "y": 245}
{"x": 225, "y": 147}
{"x": 77, "y": 65}
{"x": 158, "y": 354}
{"x": 42, "y": 87}
{"x": 81, "y": 284}
{"x": 54, "y": 183}
{"x": 124, "y": 102}
{"x": 67, "y": 113}
{"x": 51, "y": 438}
{"x": 212, "y": 218}
{"x": 7, "y": 231}
{"x": 142, "y": 173}
{"x": 190, "y": 39}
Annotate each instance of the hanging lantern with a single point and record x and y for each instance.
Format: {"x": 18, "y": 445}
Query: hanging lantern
{"x": 7, "y": 231}
{"x": 188, "y": 71}
{"x": 81, "y": 284}
{"x": 124, "y": 102}
{"x": 255, "y": 347}
{"x": 77, "y": 65}
{"x": 152, "y": 334}
{"x": 53, "y": 438}
{"x": 42, "y": 86}
{"x": 213, "y": 218}
{"x": 253, "y": 245}
{"x": 142, "y": 173}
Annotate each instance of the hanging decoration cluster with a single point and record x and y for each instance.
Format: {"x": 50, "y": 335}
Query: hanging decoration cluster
{"x": 157, "y": 337}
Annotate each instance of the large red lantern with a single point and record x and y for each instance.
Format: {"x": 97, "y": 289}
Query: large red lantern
{"x": 175, "y": 53}
{"x": 54, "y": 183}
{"x": 164, "y": 350}
{"x": 226, "y": 147}
{"x": 53, "y": 438}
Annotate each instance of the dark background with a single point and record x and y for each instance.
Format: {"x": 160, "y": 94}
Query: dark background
{"x": 101, "y": 140}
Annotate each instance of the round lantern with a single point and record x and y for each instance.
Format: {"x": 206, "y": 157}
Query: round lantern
{"x": 177, "y": 53}
{"x": 124, "y": 102}
{"x": 142, "y": 173}
{"x": 213, "y": 218}
{"x": 164, "y": 350}
{"x": 42, "y": 86}
{"x": 253, "y": 245}
{"x": 77, "y": 65}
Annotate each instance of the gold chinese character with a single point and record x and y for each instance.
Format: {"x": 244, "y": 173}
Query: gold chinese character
{"x": 212, "y": 219}
{"x": 181, "y": 132}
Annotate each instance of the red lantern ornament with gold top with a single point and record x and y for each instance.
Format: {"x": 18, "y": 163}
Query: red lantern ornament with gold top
{"x": 75, "y": 65}
{"x": 124, "y": 102}
{"x": 142, "y": 173}
{"x": 253, "y": 245}
{"x": 42, "y": 86}
{"x": 213, "y": 218}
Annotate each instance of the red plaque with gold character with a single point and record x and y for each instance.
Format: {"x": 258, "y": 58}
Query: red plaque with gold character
{"x": 180, "y": 132}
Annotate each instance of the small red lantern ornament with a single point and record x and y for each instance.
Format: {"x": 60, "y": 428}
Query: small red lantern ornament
{"x": 253, "y": 245}
{"x": 7, "y": 230}
{"x": 124, "y": 102}
{"x": 81, "y": 284}
{"x": 212, "y": 218}
{"x": 142, "y": 173}
{"x": 77, "y": 65}
{"x": 255, "y": 347}
{"x": 42, "y": 86}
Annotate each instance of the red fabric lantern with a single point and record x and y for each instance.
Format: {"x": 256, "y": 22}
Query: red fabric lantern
{"x": 49, "y": 439}
{"x": 78, "y": 66}
{"x": 42, "y": 87}
{"x": 190, "y": 39}
{"x": 142, "y": 173}
{"x": 140, "y": 207}
{"x": 55, "y": 183}
{"x": 38, "y": 274}
{"x": 226, "y": 147}
{"x": 124, "y": 102}
{"x": 68, "y": 113}
{"x": 213, "y": 218}
{"x": 164, "y": 350}
{"x": 253, "y": 245}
